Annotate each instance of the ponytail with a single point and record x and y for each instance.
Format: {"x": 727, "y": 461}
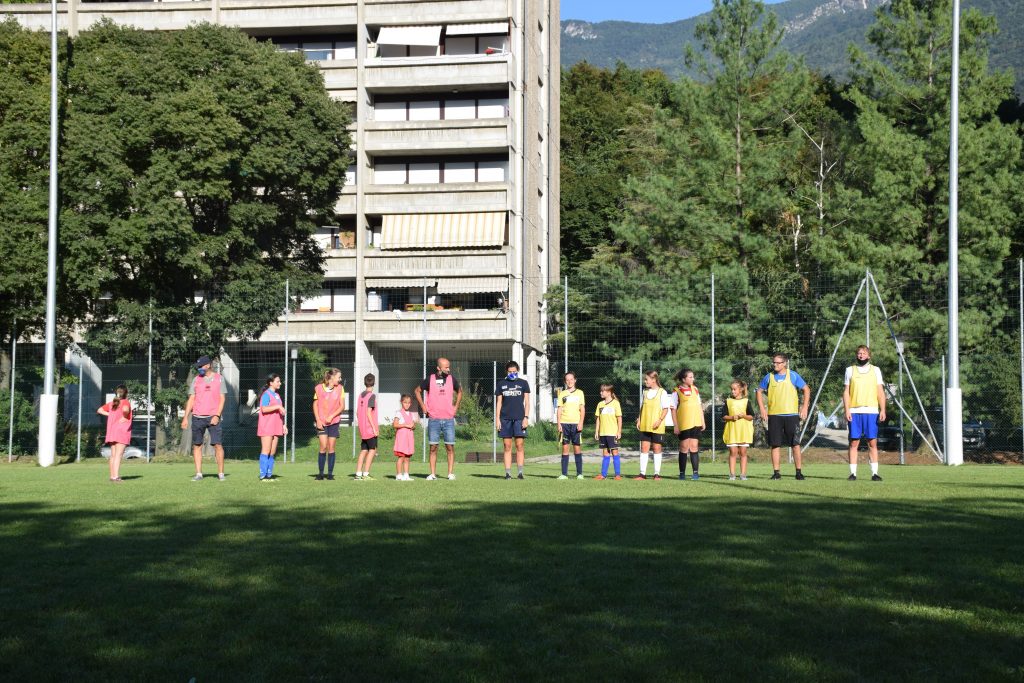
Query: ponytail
{"x": 610, "y": 388}
{"x": 120, "y": 394}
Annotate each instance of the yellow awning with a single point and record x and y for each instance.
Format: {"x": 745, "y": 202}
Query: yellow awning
{"x": 444, "y": 230}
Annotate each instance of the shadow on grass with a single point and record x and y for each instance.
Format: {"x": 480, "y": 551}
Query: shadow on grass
{"x": 803, "y": 588}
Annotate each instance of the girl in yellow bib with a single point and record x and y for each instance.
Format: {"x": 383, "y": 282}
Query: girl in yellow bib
{"x": 739, "y": 427}
{"x": 654, "y": 407}
{"x": 689, "y": 422}
{"x": 608, "y": 430}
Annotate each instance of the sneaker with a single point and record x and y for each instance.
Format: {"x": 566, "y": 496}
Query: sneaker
{"x": 579, "y": 476}
{"x": 732, "y": 477}
{"x": 657, "y": 477}
{"x": 852, "y": 477}
{"x": 198, "y": 477}
{"x": 640, "y": 477}
{"x": 330, "y": 477}
{"x": 875, "y": 477}
{"x": 367, "y": 477}
{"x": 116, "y": 480}
{"x": 220, "y": 476}
{"x": 520, "y": 476}
{"x": 695, "y": 477}
{"x": 775, "y": 475}
{"x": 507, "y": 476}
{"x": 618, "y": 476}
{"x": 358, "y": 477}
{"x": 743, "y": 477}
{"x": 562, "y": 477}
{"x": 599, "y": 477}
{"x": 432, "y": 477}
{"x": 800, "y": 476}
{"x": 319, "y": 477}
{"x": 682, "y": 476}
{"x": 451, "y": 477}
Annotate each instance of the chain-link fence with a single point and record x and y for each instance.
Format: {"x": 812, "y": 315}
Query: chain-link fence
{"x": 606, "y": 330}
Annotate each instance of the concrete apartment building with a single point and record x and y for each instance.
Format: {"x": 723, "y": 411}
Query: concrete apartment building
{"x": 455, "y": 181}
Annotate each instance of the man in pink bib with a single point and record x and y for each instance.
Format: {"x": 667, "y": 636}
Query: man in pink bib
{"x": 442, "y": 389}
{"x": 206, "y": 405}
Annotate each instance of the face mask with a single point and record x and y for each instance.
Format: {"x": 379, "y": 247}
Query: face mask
{"x": 202, "y": 372}
{"x": 864, "y": 362}
{"x": 444, "y": 373}
{"x": 512, "y": 375}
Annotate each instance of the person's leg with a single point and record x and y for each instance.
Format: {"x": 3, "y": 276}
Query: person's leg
{"x": 218, "y": 453}
{"x": 271, "y": 452}
{"x": 507, "y": 454}
{"x": 775, "y": 458}
{"x": 331, "y": 456}
{"x": 645, "y": 446}
{"x": 873, "y": 456}
{"x": 197, "y": 457}
{"x": 359, "y": 461}
{"x": 743, "y": 462}
{"x": 617, "y": 461}
{"x": 370, "y": 455}
{"x": 116, "y": 453}
{"x": 264, "y": 447}
{"x": 450, "y": 451}
{"x": 433, "y": 459}
{"x": 683, "y": 451}
{"x": 733, "y": 452}
{"x": 606, "y": 458}
{"x": 775, "y": 441}
{"x": 433, "y": 439}
{"x": 405, "y": 466}
{"x": 854, "y": 447}
{"x": 321, "y": 458}
{"x": 657, "y": 460}
{"x": 520, "y": 454}
{"x": 565, "y": 455}
{"x": 577, "y": 453}
{"x": 693, "y": 446}
{"x": 449, "y": 445}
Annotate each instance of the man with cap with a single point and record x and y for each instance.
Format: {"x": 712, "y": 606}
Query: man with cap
{"x": 206, "y": 406}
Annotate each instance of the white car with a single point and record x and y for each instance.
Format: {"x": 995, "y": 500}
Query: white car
{"x": 135, "y": 449}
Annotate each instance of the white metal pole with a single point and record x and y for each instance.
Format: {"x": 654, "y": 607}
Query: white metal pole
{"x": 494, "y": 414}
{"x": 48, "y": 399}
{"x": 292, "y": 410}
{"x": 900, "y": 365}
{"x": 945, "y": 416}
{"x": 10, "y": 417}
{"x": 867, "y": 314}
{"x": 565, "y": 326}
{"x": 288, "y": 388}
{"x": 78, "y": 446}
{"x": 149, "y": 382}
{"x": 713, "y": 394}
{"x": 954, "y": 424}
{"x": 426, "y": 446}
{"x": 1020, "y": 304}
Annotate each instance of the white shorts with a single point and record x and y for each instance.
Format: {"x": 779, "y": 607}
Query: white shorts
{"x": 737, "y": 445}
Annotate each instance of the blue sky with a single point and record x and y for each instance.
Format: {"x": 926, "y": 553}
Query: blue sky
{"x": 647, "y": 11}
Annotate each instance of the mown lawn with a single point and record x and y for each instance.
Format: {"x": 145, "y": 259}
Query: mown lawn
{"x": 159, "y": 578}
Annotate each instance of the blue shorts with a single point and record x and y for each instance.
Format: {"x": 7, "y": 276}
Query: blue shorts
{"x": 437, "y": 427}
{"x": 864, "y": 426}
{"x": 609, "y": 443}
{"x": 512, "y": 429}
{"x": 570, "y": 433}
{"x": 330, "y": 431}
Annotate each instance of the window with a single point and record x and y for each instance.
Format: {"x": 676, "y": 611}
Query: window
{"x": 492, "y": 171}
{"x": 425, "y": 110}
{"x": 318, "y": 48}
{"x": 335, "y": 296}
{"x": 424, "y": 172}
{"x": 480, "y": 169}
{"x": 460, "y": 172}
{"x": 455, "y": 107}
{"x": 390, "y": 174}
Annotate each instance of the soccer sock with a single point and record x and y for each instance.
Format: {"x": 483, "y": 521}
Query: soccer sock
{"x": 579, "y": 463}
{"x": 508, "y": 471}
{"x": 263, "y": 465}
{"x": 682, "y": 462}
{"x": 604, "y": 465}
{"x": 657, "y": 464}
{"x": 874, "y": 468}
{"x": 643, "y": 463}
{"x": 270, "y": 465}
{"x": 565, "y": 465}
{"x": 695, "y": 461}
{"x": 618, "y": 464}
{"x": 330, "y": 463}
{"x": 520, "y": 469}
{"x": 853, "y": 468}
{"x": 321, "y": 459}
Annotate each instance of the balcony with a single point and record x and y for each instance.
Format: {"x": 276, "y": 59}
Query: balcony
{"x": 420, "y": 12}
{"x": 339, "y": 78}
{"x": 314, "y": 327}
{"x": 285, "y": 14}
{"x": 412, "y": 264}
{"x": 340, "y": 264}
{"x": 452, "y": 137}
{"x": 399, "y": 74}
{"x": 346, "y": 204}
{"x": 441, "y": 326}
{"x": 437, "y": 198}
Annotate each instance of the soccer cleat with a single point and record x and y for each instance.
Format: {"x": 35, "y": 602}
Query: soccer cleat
{"x": 732, "y": 477}
{"x": 875, "y": 477}
{"x": 358, "y": 477}
{"x": 220, "y": 476}
{"x": 743, "y": 477}
{"x": 520, "y": 476}
{"x": 432, "y": 477}
{"x": 198, "y": 477}
{"x": 367, "y": 477}
{"x": 451, "y": 477}
{"x": 800, "y": 476}
{"x": 695, "y": 477}
{"x": 319, "y": 477}
{"x": 618, "y": 476}
{"x": 682, "y": 476}
{"x": 330, "y": 477}
{"x": 640, "y": 477}
{"x": 508, "y": 476}
{"x": 579, "y": 476}
{"x": 600, "y": 477}
{"x": 562, "y": 477}
{"x": 116, "y": 480}
{"x": 852, "y": 477}
{"x": 657, "y": 477}
{"x": 775, "y": 475}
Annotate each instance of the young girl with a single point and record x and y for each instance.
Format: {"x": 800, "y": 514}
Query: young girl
{"x": 328, "y": 403}
{"x": 119, "y": 428}
{"x": 405, "y": 443}
{"x": 270, "y": 425}
{"x": 689, "y": 422}
{"x": 608, "y": 430}
{"x": 651, "y": 423}
{"x": 739, "y": 428}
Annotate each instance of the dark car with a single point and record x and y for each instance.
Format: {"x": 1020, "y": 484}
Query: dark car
{"x": 976, "y": 433}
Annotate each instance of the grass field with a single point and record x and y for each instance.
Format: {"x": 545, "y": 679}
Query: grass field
{"x": 918, "y": 577}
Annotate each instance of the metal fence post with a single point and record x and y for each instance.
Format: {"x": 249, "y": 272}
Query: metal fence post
{"x": 14, "y": 365}
{"x": 565, "y": 326}
{"x": 867, "y": 312}
{"x": 292, "y": 411}
{"x": 494, "y": 414}
{"x": 903, "y": 461}
{"x": 426, "y": 447}
{"x": 78, "y": 447}
{"x": 713, "y": 394}
{"x": 149, "y": 382}
{"x": 945, "y": 458}
{"x": 1020, "y": 313}
{"x": 288, "y": 387}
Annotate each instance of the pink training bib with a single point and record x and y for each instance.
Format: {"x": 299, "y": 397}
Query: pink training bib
{"x": 367, "y": 426}
{"x": 119, "y": 427}
{"x": 270, "y": 424}
{"x": 328, "y": 403}
{"x": 440, "y": 397}
{"x": 405, "y": 442}
{"x": 207, "y": 394}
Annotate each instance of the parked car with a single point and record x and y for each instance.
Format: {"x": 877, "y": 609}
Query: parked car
{"x": 135, "y": 449}
{"x": 976, "y": 433}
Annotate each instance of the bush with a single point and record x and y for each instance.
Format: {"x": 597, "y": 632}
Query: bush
{"x": 26, "y": 423}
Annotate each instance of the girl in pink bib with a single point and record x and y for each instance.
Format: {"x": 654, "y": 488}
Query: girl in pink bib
{"x": 405, "y": 443}
{"x": 119, "y": 428}
{"x": 270, "y": 425}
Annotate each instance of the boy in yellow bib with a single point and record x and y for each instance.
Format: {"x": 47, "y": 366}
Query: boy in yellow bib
{"x": 785, "y": 411}
{"x": 864, "y": 402}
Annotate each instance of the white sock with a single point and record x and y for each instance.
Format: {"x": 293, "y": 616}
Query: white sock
{"x": 643, "y": 463}
{"x": 657, "y": 464}
{"x": 874, "y": 468}
{"x": 853, "y": 468}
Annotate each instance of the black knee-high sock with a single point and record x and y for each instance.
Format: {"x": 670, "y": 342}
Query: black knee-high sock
{"x": 321, "y": 459}
{"x": 695, "y": 461}
{"x": 682, "y": 462}
{"x": 565, "y": 465}
{"x": 330, "y": 463}
{"x": 578, "y": 457}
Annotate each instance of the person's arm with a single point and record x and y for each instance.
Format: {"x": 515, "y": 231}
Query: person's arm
{"x": 373, "y": 416}
{"x": 583, "y": 415}
{"x": 558, "y": 417}
{"x": 102, "y": 410}
{"x": 220, "y": 407}
{"x": 597, "y": 424}
{"x": 846, "y": 402}
{"x": 458, "y": 398}
{"x": 418, "y": 392}
{"x": 703, "y": 424}
{"x": 188, "y": 410}
{"x": 760, "y": 405}
{"x": 341, "y": 404}
{"x": 526, "y": 408}
{"x": 316, "y": 413}
{"x": 750, "y": 413}
{"x": 497, "y": 411}
{"x": 806, "y": 403}
{"x": 618, "y": 420}
{"x": 881, "y": 398}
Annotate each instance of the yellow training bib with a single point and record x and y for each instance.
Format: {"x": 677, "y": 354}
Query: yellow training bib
{"x": 650, "y": 411}
{"x": 864, "y": 388}
{"x": 782, "y": 396}
{"x": 690, "y": 410}
{"x": 571, "y": 403}
{"x": 740, "y": 431}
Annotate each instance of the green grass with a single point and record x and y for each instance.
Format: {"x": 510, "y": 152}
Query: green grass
{"x": 918, "y": 577}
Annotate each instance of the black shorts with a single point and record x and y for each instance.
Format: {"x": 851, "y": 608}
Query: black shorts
{"x": 691, "y": 433}
{"x": 369, "y": 444}
{"x": 330, "y": 431}
{"x": 609, "y": 443}
{"x": 201, "y": 426}
{"x": 652, "y": 437}
{"x": 783, "y": 430}
{"x": 571, "y": 433}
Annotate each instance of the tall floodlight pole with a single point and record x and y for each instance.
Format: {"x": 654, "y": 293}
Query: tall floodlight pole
{"x": 48, "y": 399}
{"x": 954, "y": 396}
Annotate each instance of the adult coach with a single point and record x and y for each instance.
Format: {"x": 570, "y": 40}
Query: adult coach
{"x": 442, "y": 389}
{"x": 512, "y": 410}
{"x": 784, "y": 410}
{"x": 864, "y": 402}
{"x": 206, "y": 406}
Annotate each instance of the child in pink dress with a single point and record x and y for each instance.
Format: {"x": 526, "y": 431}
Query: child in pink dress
{"x": 405, "y": 443}
{"x": 119, "y": 428}
{"x": 270, "y": 425}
